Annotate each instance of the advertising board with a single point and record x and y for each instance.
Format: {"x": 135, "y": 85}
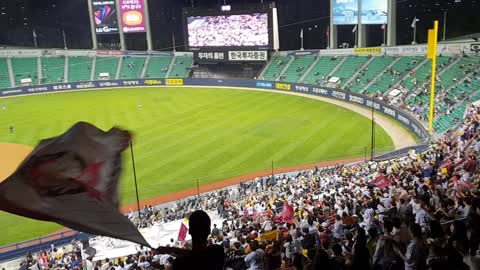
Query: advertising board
{"x": 105, "y": 16}
{"x": 345, "y": 12}
{"x": 374, "y": 11}
{"x": 247, "y": 56}
{"x": 20, "y": 53}
{"x": 368, "y": 51}
{"x": 232, "y": 56}
{"x": 109, "y": 52}
{"x": 132, "y": 13}
{"x": 210, "y": 56}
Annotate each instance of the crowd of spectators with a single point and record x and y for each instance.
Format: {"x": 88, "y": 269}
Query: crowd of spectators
{"x": 54, "y": 258}
{"x": 420, "y": 211}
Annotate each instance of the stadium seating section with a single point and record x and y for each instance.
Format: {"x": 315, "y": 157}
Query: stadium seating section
{"x": 391, "y": 76}
{"x": 384, "y": 73}
{"x": 181, "y": 67}
{"x": 321, "y": 69}
{"x": 158, "y": 66}
{"x": 79, "y": 68}
{"x": 24, "y": 68}
{"x": 53, "y": 69}
{"x": 370, "y": 72}
{"x": 298, "y": 67}
{"x": 132, "y": 67}
{"x": 277, "y": 64}
{"x": 4, "y": 75}
{"x": 458, "y": 79}
{"x": 421, "y": 76}
{"x": 106, "y": 65}
{"x": 349, "y": 67}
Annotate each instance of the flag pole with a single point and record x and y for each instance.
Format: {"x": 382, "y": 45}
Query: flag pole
{"x": 64, "y": 40}
{"x": 301, "y": 40}
{"x": 384, "y": 35}
{"x": 444, "y": 25}
{"x": 173, "y": 42}
{"x": 328, "y": 37}
{"x": 415, "y": 31}
{"x": 135, "y": 178}
{"x": 34, "y": 33}
{"x": 273, "y": 175}
{"x": 198, "y": 188}
{"x": 372, "y": 150}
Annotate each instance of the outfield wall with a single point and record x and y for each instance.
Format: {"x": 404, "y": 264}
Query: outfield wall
{"x": 402, "y": 117}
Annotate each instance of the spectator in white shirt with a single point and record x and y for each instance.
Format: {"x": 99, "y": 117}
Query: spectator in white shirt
{"x": 421, "y": 217}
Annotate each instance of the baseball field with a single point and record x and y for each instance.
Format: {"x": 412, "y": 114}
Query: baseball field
{"x": 181, "y": 134}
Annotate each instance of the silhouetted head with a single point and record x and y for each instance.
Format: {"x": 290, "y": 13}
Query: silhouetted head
{"x": 415, "y": 230}
{"x": 199, "y": 226}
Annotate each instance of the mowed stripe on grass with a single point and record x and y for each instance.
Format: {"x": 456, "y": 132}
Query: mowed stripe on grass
{"x": 182, "y": 134}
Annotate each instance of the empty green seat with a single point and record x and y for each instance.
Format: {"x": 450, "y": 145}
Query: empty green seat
{"x": 25, "y": 68}
{"x": 181, "y": 67}
{"x": 106, "y": 65}
{"x": 158, "y": 66}
{"x": 79, "y": 68}
{"x": 132, "y": 67}
{"x": 53, "y": 69}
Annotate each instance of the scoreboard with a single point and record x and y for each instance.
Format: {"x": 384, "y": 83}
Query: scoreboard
{"x": 235, "y": 35}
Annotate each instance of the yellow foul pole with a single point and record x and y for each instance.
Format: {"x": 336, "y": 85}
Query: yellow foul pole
{"x": 432, "y": 54}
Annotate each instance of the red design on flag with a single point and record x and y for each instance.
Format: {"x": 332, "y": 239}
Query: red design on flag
{"x": 256, "y": 216}
{"x": 73, "y": 180}
{"x": 89, "y": 179}
{"x": 381, "y": 182}
{"x": 456, "y": 186}
{"x": 182, "y": 234}
{"x": 267, "y": 214}
{"x": 287, "y": 214}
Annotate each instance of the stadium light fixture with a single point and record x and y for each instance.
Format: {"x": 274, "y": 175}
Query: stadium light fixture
{"x": 226, "y": 8}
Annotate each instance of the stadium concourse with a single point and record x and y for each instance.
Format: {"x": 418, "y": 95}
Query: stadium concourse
{"x": 421, "y": 211}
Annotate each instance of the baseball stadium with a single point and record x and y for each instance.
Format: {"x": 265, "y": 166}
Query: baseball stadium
{"x": 272, "y": 135}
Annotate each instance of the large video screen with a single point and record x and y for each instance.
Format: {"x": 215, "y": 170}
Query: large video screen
{"x": 243, "y": 30}
{"x": 345, "y": 12}
{"x": 374, "y": 11}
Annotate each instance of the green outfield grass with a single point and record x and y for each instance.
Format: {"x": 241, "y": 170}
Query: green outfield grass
{"x": 186, "y": 133}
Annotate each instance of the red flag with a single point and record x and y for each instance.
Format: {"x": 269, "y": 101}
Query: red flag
{"x": 287, "y": 213}
{"x": 182, "y": 234}
{"x": 381, "y": 182}
{"x": 73, "y": 180}
{"x": 455, "y": 187}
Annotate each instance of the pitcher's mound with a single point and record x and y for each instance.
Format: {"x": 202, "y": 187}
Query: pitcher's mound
{"x": 11, "y": 155}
